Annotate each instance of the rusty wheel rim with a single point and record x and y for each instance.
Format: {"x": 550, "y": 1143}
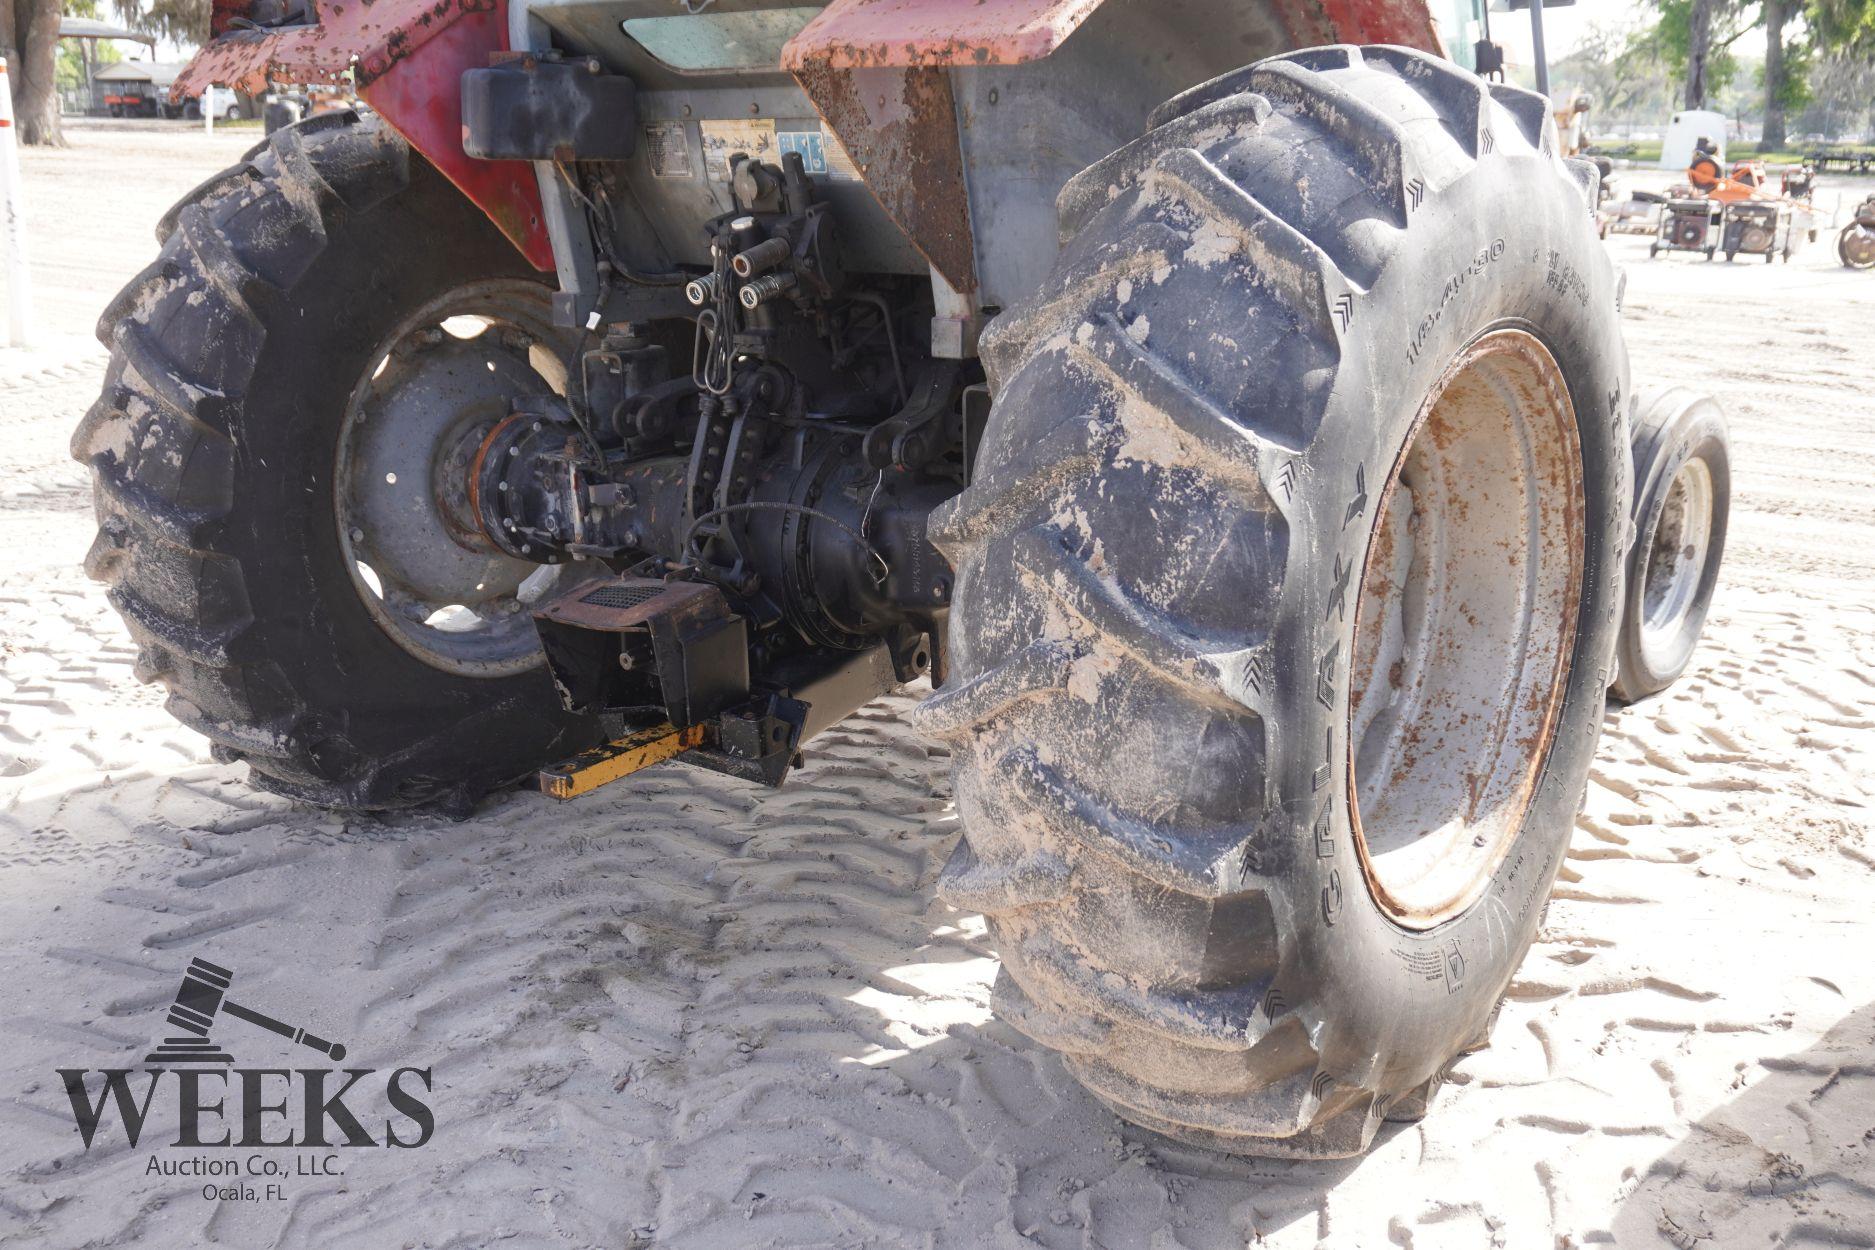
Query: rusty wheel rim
{"x": 436, "y": 386}
{"x": 1464, "y": 628}
{"x": 1858, "y": 247}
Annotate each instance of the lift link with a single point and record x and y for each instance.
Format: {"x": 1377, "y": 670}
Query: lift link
{"x": 589, "y": 770}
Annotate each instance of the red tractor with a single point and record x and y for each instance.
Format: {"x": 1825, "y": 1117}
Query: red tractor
{"x": 1237, "y": 437}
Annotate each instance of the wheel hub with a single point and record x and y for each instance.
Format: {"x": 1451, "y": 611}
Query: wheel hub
{"x": 407, "y": 457}
{"x": 1464, "y": 628}
{"x": 1676, "y": 559}
{"x": 1858, "y": 246}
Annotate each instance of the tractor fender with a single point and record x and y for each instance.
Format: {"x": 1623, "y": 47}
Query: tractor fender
{"x": 861, "y": 34}
{"x": 406, "y": 58}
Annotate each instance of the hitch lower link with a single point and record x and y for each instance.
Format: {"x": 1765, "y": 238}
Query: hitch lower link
{"x": 664, "y": 664}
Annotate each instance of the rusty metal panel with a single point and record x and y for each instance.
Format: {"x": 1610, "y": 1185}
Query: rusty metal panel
{"x": 365, "y": 36}
{"x": 854, "y": 33}
{"x": 899, "y": 125}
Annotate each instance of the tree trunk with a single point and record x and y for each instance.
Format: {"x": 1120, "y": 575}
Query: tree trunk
{"x": 1698, "y": 51}
{"x": 29, "y": 39}
{"x": 1776, "y": 14}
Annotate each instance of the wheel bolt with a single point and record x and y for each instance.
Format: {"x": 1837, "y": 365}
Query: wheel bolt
{"x": 501, "y": 486}
{"x": 357, "y": 535}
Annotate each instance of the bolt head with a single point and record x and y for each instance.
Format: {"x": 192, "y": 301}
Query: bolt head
{"x": 357, "y": 535}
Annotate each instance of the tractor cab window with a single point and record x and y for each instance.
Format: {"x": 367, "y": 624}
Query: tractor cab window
{"x": 720, "y": 41}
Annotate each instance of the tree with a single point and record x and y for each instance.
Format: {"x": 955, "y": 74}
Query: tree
{"x": 1842, "y": 95}
{"x": 1619, "y": 67}
{"x": 1695, "y": 37}
{"x": 1777, "y": 78}
{"x": 178, "y": 21}
{"x": 29, "y": 40}
{"x": 1698, "y": 52}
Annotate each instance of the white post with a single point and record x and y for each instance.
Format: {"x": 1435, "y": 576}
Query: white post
{"x": 208, "y": 110}
{"x": 13, "y": 224}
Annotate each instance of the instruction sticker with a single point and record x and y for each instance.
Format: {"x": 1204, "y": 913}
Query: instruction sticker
{"x": 667, "y": 148}
{"x": 820, "y": 152}
{"x": 723, "y": 139}
{"x": 765, "y": 140}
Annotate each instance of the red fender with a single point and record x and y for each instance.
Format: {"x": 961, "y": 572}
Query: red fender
{"x": 406, "y": 58}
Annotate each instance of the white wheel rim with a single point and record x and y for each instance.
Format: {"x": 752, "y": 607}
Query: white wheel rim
{"x": 1676, "y": 563}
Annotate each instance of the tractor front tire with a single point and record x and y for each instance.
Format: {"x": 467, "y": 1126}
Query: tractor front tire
{"x": 235, "y": 358}
{"x": 1682, "y": 500}
{"x": 1306, "y": 502}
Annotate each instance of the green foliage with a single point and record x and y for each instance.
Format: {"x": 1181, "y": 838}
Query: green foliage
{"x": 70, "y": 73}
{"x": 1794, "y": 92}
{"x": 179, "y": 21}
{"x": 1843, "y": 25}
{"x": 1671, "y": 38}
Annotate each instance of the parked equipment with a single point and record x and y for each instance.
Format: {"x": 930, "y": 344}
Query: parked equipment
{"x": 1757, "y": 228}
{"x": 1638, "y": 213}
{"x": 1682, "y": 496}
{"x": 1688, "y": 225}
{"x": 1215, "y": 438}
{"x": 1856, "y": 244}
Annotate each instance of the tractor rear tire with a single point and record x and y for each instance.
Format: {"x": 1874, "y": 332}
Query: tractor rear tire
{"x": 1305, "y": 286}
{"x": 1682, "y": 499}
{"x": 234, "y": 358}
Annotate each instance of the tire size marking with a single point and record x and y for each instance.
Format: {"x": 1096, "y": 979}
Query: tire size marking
{"x": 1564, "y": 280}
{"x": 1445, "y": 967}
{"x": 1491, "y": 252}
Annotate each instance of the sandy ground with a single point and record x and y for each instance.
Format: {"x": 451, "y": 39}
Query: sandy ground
{"x": 692, "y": 1013}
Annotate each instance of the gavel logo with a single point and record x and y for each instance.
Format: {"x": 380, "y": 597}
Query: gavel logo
{"x": 203, "y": 996}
